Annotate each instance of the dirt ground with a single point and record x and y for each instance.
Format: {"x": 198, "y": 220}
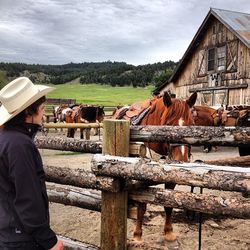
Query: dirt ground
{"x": 217, "y": 232}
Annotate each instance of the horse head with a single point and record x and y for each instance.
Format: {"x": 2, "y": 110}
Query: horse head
{"x": 173, "y": 112}
{"x": 100, "y": 113}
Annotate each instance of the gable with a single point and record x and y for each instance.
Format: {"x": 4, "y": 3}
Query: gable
{"x": 237, "y": 23}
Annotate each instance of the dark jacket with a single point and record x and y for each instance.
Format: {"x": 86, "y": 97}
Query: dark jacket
{"x": 24, "y": 214}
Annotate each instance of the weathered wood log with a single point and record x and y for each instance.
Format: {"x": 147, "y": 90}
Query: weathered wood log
{"x": 85, "y": 146}
{"x": 70, "y": 244}
{"x": 72, "y": 125}
{"x": 210, "y": 204}
{"x": 78, "y": 197}
{"x": 193, "y": 135}
{"x": 194, "y": 174}
{"x": 241, "y": 161}
{"x": 68, "y": 144}
{"x": 207, "y": 203}
{"x": 80, "y": 178}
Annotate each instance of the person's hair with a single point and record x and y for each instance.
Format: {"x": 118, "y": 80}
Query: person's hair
{"x": 31, "y": 110}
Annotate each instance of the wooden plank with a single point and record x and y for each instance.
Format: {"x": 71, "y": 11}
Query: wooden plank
{"x": 114, "y": 205}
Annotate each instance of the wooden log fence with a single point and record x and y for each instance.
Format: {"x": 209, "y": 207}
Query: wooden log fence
{"x": 72, "y": 125}
{"x": 192, "y": 135}
{"x": 192, "y": 174}
{"x": 70, "y": 244}
{"x": 68, "y": 144}
{"x": 112, "y": 170}
{"x": 235, "y": 206}
{"x": 85, "y": 146}
{"x": 80, "y": 178}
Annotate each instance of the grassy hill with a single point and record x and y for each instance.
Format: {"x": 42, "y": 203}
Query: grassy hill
{"x": 3, "y": 78}
{"x": 101, "y": 94}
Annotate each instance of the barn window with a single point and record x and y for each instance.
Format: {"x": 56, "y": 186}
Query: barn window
{"x": 221, "y": 58}
{"x": 220, "y": 28}
{"x": 216, "y": 60}
{"x": 214, "y": 29}
{"x": 211, "y": 59}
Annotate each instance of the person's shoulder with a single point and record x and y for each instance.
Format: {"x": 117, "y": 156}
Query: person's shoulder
{"x": 13, "y": 137}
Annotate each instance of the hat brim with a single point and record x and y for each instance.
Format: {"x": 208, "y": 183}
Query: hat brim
{"x": 6, "y": 116}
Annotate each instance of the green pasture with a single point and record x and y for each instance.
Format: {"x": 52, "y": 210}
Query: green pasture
{"x": 101, "y": 94}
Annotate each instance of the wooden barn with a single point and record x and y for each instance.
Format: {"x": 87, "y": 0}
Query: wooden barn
{"x": 217, "y": 62}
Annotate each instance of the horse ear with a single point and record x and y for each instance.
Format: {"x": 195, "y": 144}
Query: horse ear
{"x": 192, "y": 99}
{"x": 167, "y": 99}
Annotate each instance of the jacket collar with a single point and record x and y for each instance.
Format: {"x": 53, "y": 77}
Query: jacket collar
{"x": 29, "y": 129}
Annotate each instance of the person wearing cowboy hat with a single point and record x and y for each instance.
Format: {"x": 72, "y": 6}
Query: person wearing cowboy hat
{"x": 24, "y": 212}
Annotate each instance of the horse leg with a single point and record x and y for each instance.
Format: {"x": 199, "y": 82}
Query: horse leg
{"x": 71, "y": 133}
{"x": 141, "y": 209}
{"x": 81, "y": 134}
{"x": 68, "y": 132}
{"x": 87, "y": 133}
{"x": 207, "y": 148}
{"x": 168, "y": 228}
{"x": 244, "y": 150}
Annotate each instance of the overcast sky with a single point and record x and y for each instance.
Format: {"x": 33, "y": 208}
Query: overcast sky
{"x": 132, "y": 31}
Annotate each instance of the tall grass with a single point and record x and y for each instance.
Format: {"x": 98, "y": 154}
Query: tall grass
{"x": 101, "y": 94}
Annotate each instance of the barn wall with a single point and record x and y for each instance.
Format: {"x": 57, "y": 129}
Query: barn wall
{"x": 194, "y": 74}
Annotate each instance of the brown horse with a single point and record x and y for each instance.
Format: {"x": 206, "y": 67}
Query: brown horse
{"x": 244, "y": 121}
{"x": 165, "y": 111}
{"x": 207, "y": 116}
{"x": 88, "y": 114}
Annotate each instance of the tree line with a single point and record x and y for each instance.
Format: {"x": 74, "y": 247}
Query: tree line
{"x": 111, "y": 73}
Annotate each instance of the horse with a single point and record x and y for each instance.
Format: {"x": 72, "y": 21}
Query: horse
{"x": 88, "y": 114}
{"x": 244, "y": 121}
{"x": 162, "y": 111}
{"x": 206, "y": 116}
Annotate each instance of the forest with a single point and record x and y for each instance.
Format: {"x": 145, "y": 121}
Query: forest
{"x": 111, "y": 73}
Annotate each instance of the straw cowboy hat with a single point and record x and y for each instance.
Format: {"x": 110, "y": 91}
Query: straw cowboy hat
{"x": 18, "y": 95}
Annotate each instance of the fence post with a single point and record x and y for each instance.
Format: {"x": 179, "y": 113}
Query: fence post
{"x": 114, "y": 205}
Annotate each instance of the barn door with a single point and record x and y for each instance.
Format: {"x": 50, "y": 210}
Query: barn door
{"x": 232, "y": 51}
{"x": 207, "y": 98}
{"x": 220, "y": 98}
{"x": 214, "y": 98}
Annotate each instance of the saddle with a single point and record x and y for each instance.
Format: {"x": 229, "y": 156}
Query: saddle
{"x": 133, "y": 113}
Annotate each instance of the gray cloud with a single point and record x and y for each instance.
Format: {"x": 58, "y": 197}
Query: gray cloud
{"x": 137, "y": 32}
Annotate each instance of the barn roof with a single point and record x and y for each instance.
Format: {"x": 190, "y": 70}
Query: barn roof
{"x": 238, "y": 23}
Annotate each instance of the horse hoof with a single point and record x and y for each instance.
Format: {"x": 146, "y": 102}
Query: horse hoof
{"x": 137, "y": 239}
{"x": 170, "y": 236}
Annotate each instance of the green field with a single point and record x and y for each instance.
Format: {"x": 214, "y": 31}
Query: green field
{"x": 101, "y": 94}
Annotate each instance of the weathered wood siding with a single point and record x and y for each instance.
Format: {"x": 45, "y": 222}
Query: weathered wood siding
{"x": 194, "y": 74}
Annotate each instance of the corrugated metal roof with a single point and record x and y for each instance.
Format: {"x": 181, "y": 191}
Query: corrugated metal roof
{"x": 237, "y": 22}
